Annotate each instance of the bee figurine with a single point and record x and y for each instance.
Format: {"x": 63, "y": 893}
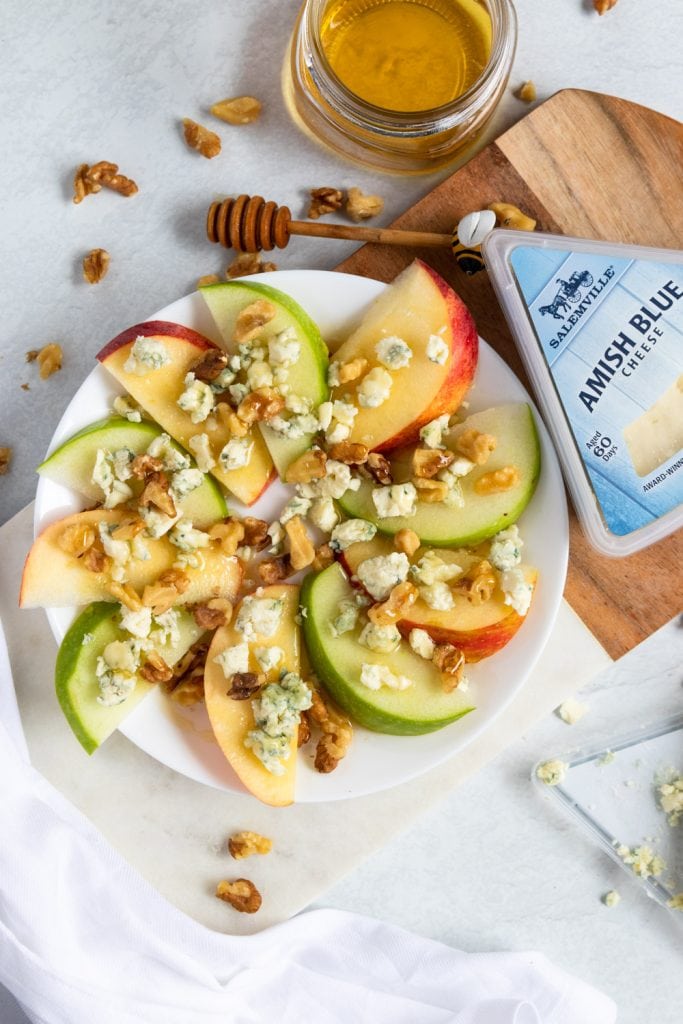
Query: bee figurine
{"x": 468, "y": 235}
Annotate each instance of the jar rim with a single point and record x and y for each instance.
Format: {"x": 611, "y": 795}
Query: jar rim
{"x": 418, "y": 122}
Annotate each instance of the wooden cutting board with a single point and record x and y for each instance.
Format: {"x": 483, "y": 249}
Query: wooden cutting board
{"x": 598, "y": 167}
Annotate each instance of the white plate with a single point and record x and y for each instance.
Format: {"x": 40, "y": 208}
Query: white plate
{"x": 182, "y": 739}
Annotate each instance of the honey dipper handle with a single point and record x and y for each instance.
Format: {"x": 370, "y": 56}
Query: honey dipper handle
{"x": 382, "y": 236}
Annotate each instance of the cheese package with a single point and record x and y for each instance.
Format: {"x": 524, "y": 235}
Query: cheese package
{"x": 600, "y": 329}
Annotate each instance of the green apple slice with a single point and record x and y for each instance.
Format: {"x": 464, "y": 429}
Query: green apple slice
{"x": 72, "y": 465}
{"x": 307, "y": 378}
{"x": 337, "y": 661}
{"x": 75, "y": 679}
{"x": 482, "y": 516}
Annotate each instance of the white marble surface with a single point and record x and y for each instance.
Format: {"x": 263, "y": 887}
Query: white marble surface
{"x": 493, "y": 866}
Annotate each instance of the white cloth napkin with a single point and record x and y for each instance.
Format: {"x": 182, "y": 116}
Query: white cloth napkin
{"x": 85, "y": 940}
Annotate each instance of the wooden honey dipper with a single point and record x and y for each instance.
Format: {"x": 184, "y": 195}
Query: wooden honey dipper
{"x": 250, "y": 224}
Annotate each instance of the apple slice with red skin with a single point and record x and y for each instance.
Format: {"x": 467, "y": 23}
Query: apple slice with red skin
{"x": 158, "y": 392}
{"x": 477, "y": 630}
{"x": 417, "y": 305}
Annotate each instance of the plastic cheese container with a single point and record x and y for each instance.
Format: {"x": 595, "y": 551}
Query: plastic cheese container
{"x": 600, "y": 330}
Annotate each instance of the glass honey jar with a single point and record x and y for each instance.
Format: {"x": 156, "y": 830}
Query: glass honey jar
{"x": 399, "y": 85}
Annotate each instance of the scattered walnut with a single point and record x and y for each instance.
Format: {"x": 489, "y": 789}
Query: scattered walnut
{"x": 407, "y": 541}
{"x": 95, "y": 559}
{"x": 252, "y": 318}
{"x": 5, "y": 459}
{"x": 352, "y": 453}
{"x": 244, "y": 685}
{"x": 241, "y": 894}
{"x": 145, "y": 465}
{"x": 509, "y": 216}
{"x": 230, "y": 534}
{"x": 603, "y": 6}
{"x": 25, "y": 387}
{"x": 309, "y": 466}
{"x": 155, "y": 669}
{"x": 260, "y": 405}
{"x": 200, "y": 138}
{"x": 243, "y": 844}
{"x": 379, "y": 468}
{"x": 301, "y": 550}
{"x": 273, "y": 570}
{"x": 95, "y": 265}
{"x": 128, "y": 528}
{"x": 450, "y": 662}
{"x": 362, "y": 207}
{"x": 229, "y": 418}
{"x": 156, "y": 492}
{"x": 527, "y": 92}
{"x": 247, "y": 263}
{"x": 210, "y": 366}
{"x": 190, "y": 690}
{"x": 163, "y": 594}
{"x": 237, "y": 110}
{"x": 324, "y": 556}
{"x": 208, "y": 279}
{"x": 352, "y": 370}
{"x": 337, "y": 733}
{"x": 175, "y": 578}
{"x": 187, "y": 685}
{"x": 215, "y": 613}
{"x": 430, "y": 490}
{"x": 49, "y": 358}
{"x": 498, "y": 481}
{"x": 90, "y": 180}
{"x": 304, "y": 730}
{"x": 479, "y": 582}
{"x": 388, "y": 612}
{"x": 475, "y": 446}
{"x": 77, "y": 538}
{"x": 428, "y": 461}
{"x": 255, "y": 533}
{"x": 126, "y": 594}
{"x": 324, "y": 200}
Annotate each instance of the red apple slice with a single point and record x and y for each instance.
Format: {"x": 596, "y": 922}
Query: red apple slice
{"x": 419, "y": 305}
{"x": 54, "y": 578}
{"x": 158, "y": 392}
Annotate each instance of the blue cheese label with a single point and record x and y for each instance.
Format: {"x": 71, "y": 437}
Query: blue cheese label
{"x": 611, "y": 333}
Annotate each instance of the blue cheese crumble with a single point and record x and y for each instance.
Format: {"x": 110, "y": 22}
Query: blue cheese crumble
{"x": 277, "y": 713}
{"x": 259, "y": 616}
{"x": 393, "y": 353}
{"x": 346, "y": 617}
{"x": 138, "y": 623}
{"x": 353, "y": 531}
{"x": 422, "y": 643}
{"x": 201, "y": 449}
{"x": 236, "y": 453}
{"x": 506, "y": 549}
{"x": 284, "y": 349}
{"x": 145, "y": 355}
{"x": 187, "y": 538}
{"x": 438, "y": 596}
{"x": 162, "y": 447}
{"x": 126, "y": 407}
{"x": 376, "y": 676}
{"x": 323, "y": 514}
{"x": 104, "y": 476}
{"x": 518, "y": 592}
{"x": 375, "y": 388}
{"x": 431, "y": 568}
{"x": 197, "y": 399}
{"x": 268, "y": 658}
{"x": 395, "y": 500}
{"x": 437, "y": 349}
{"x": 381, "y": 574}
{"x": 384, "y": 639}
{"x": 233, "y": 659}
{"x": 185, "y": 481}
{"x": 432, "y": 433}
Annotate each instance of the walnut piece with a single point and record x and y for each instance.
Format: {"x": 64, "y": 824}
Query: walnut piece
{"x": 244, "y": 844}
{"x": 128, "y": 528}
{"x": 49, "y": 358}
{"x": 187, "y": 685}
{"x": 252, "y": 318}
{"x": 215, "y": 613}
{"x": 157, "y": 492}
{"x": 337, "y": 733}
{"x": 498, "y": 481}
{"x": 255, "y": 533}
{"x": 210, "y": 366}
{"x": 351, "y": 453}
{"x": 309, "y": 466}
{"x": 126, "y": 594}
{"x": 379, "y": 468}
{"x": 387, "y": 613}
{"x": 301, "y": 549}
{"x": 200, "y": 138}
{"x": 260, "y": 405}
{"x": 450, "y": 662}
{"x": 145, "y": 465}
{"x": 362, "y": 207}
{"x": 603, "y": 6}
{"x": 407, "y": 541}
{"x": 77, "y": 538}
{"x": 206, "y": 279}
{"x": 527, "y": 92}
{"x": 247, "y": 263}
{"x": 324, "y": 556}
{"x": 5, "y": 459}
{"x": 427, "y": 462}
{"x": 230, "y": 534}
{"x": 475, "y": 446}
{"x": 95, "y": 265}
{"x": 90, "y": 180}
{"x": 163, "y": 594}
{"x": 430, "y": 490}
{"x": 244, "y": 685}
{"x": 274, "y": 570}
{"x": 240, "y": 894}
{"x": 479, "y": 582}
{"x": 324, "y": 200}
{"x": 95, "y": 559}
{"x": 237, "y": 110}
{"x": 155, "y": 669}
{"x": 509, "y": 216}
{"x": 303, "y": 731}
{"x": 352, "y": 370}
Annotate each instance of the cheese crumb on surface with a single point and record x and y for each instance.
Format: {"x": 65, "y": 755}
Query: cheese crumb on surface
{"x": 611, "y": 898}
{"x": 552, "y": 773}
{"x": 642, "y": 860}
{"x": 671, "y": 800}
{"x": 571, "y": 711}
{"x": 606, "y": 759}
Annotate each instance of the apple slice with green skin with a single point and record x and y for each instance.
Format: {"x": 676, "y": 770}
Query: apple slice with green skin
{"x": 76, "y": 681}
{"x": 72, "y": 465}
{"x": 482, "y": 516}
{"x": 231, "y": 720}
{"x": 418, "y": 305}
{"x": 478, "y": 630}
{"x": 306, "y": 378}
{"x": 158, "y": 391}
{"x": 53, "y": 578}
{"x": 337, "y": 661}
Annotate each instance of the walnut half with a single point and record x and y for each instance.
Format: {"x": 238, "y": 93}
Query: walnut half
{"x": 240, "y": 894}
{"x": 95, "y": 265}
{"x": 244, "y": 844}
{"x": 200, "y": 138}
